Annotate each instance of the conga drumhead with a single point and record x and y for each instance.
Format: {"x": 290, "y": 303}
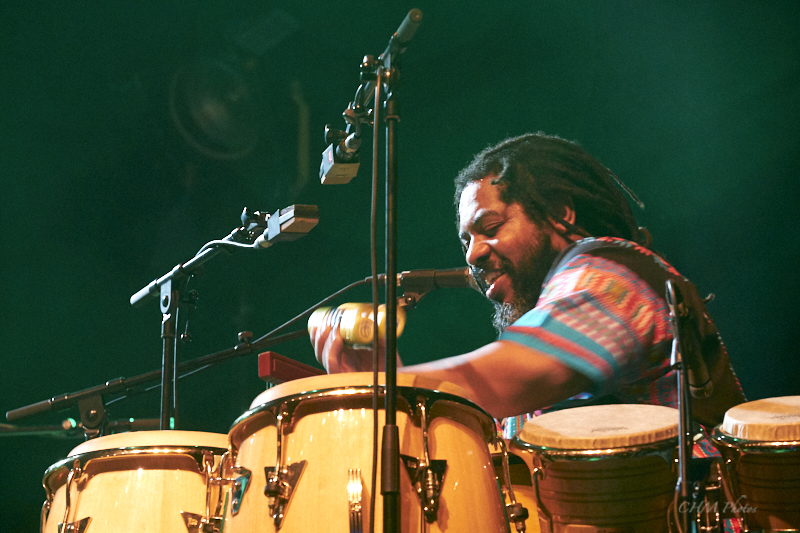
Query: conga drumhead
{"x": 770, "y": 420}
{"x": 350, "y": 380}
{"x": 601, "y": 427}
{"x": 149, "y": 439}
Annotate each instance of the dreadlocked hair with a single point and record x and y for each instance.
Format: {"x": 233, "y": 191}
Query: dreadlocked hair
{"x": 543, "y": 173}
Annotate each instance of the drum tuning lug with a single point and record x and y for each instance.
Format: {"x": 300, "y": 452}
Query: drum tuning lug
{"x": 75, "y": 527}
{"x": 280, "y": 486}
{"x": 427, "y": 479}
{"x": 196, "y": 523}
{"x": 517, "y": 514}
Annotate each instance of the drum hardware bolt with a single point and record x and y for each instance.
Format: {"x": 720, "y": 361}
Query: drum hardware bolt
{"x": 240, "y": 485}
{"x": 75, "y": 527}
{"x": 426, "y": 474}
{"x": 201, "y": 524}
{"x": 367, "y": 69}
{"x": 281, "y": 480}
{"x": 206, "y": 523}
{"x": 518, "y": 515}
{"x": 279, "y": 488}
{"x": 244, "y": 337}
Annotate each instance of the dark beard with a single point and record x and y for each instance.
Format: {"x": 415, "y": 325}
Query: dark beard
{"x": 527, "y": 283}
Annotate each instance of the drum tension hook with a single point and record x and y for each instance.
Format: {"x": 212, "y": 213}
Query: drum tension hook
{"x": 426, "y": 474}
{"x": 280, "y": 486}
{"x": 427, "y": 479}
{"x": 517, "y": 514}
{"x": 281, "y": 479}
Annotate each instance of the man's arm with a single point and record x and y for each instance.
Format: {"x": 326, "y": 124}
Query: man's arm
{"x": 507, "y": 378}
{"x": 503, "y": 377}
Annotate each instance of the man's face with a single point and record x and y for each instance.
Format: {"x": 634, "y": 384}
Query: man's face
{"x": 512, "y": 254}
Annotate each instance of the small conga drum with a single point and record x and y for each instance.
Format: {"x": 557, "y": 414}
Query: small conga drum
{"x": 605, "y": 468}
{"x": 154, "y": 481}
{"x": 760, "y": 441}
{"x": 304, "y": 455}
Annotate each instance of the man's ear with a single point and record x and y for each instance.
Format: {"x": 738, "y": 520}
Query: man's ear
{"x": 566, "y": 212}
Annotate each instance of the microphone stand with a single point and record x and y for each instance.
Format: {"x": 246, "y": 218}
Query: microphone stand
{"x": 388, "y": 74}
{"x": 339, "y": 166}
{"x": 287, "y": 224}
{"x": 92, "y": 407}
{"x": 90, "y": 401}
{"x": 684, "y": 411}
{"x": 682, "y": 346}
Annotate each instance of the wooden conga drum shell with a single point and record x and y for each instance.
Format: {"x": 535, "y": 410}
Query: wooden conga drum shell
{"x": 133, "y": 482}
{"x": 603, "y": 468}
{"x": 761, "y": 442}
{"x": 330, "y": 428}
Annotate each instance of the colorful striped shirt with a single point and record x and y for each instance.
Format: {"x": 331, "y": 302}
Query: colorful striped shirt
{"x": 598, "y": 316}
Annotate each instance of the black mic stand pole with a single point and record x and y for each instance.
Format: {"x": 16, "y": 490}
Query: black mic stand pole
{"x": 683, "y": 502}
{"x": 390, "y": 481}
{"x": 390, "y": 453}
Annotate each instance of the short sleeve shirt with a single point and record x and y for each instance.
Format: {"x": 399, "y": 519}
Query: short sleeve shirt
{"x": 599, "y": 316}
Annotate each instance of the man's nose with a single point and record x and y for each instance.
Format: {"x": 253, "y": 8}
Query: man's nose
{"x": 478, "y": 251}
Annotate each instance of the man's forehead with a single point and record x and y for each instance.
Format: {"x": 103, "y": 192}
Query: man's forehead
{"x": 478, "y": 198}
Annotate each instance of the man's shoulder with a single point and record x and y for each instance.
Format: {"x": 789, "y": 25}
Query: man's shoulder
{"x": 648, "y": 265}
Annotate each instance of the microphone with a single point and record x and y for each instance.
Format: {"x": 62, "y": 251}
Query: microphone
{"x": 430, "y": 279}
{"x": 405, "y": 32}
{"x": 418, "y": 283}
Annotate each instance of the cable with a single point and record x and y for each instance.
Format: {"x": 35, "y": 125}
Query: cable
{"x": 223, "y": 244}
{"x": 310, "y": 310}
{"x": 375, "y": 330}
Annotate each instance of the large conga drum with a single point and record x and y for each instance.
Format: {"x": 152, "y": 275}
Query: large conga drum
{"x": 304, "y": 454}
{"x": 605, "y": 468}
{"x": 760, "y": 441}
{"x": 154, "y": 481}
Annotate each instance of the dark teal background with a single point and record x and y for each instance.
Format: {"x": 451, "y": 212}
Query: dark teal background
{"x": 694, "y": 105}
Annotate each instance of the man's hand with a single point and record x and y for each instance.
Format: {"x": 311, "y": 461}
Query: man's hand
{"x": 336, "y": 356}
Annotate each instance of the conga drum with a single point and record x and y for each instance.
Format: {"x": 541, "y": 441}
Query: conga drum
{"x": 760, "y": 441}
{"x": 605, "y": 468}
{"x": 154, "y": 481}
{"x": 305, "y": 447}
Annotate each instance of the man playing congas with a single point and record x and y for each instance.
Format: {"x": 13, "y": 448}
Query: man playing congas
{"x": 579, "y": 297}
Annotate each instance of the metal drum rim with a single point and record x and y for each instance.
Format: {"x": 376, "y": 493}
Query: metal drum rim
{"x": 351, "y": 392}
{"x": 84, "y": 458}
{"x": 597, "y": 453}
{"x": 754, "y": 446}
